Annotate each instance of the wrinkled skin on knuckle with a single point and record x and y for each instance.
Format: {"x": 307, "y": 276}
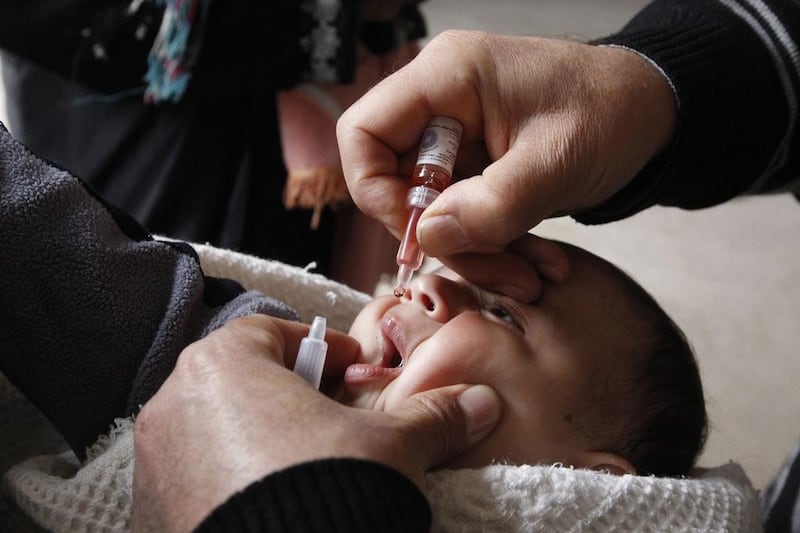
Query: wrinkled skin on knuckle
{"x": 262, "y": 332}
{"x": 576, "y": 158}
{"x": 207, "y": 364}
{"x": 617, "y": 129}
{"x": 449, "y": 40}
{"x": 197, "y": 362}
{"x": 576, "y": 134}
{"x": 501, "y": 196}
{"x": 458, "y": 58}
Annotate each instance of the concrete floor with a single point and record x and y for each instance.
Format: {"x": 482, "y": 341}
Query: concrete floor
{"x": 730, "y": 275}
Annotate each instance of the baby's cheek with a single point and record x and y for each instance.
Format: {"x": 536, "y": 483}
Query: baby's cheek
{"x": 371, "y": 345}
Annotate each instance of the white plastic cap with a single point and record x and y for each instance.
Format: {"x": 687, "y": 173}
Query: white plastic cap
{"x": 311, "y": 356}
{"x": 421, "y": 196}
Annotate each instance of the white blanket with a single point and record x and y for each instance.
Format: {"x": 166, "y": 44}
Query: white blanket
{"x": 62, "y": 495}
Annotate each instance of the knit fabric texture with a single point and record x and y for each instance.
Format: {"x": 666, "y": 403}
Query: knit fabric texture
{"x": 60, "y": 494}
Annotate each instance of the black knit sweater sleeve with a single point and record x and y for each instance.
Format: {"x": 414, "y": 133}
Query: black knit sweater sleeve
{"x": 346, "y": 495}
{"x": 734, "y": 66}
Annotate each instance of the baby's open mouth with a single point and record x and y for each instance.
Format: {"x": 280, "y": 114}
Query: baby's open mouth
{"x": 390, "y": 364}
{"x": 394, "y": 343}
{"x": 391, "y": 355}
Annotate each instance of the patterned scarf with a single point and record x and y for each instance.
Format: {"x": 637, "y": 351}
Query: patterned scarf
{"x": 175, "y": 49}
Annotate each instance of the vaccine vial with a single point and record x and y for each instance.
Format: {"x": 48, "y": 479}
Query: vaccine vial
{"x": 432, "y": 174}
{"x": 438, "y": 149}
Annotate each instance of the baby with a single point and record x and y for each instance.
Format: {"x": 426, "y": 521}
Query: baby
{"x": 592, "y": 375}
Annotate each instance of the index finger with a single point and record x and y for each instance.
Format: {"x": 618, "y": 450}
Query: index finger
{"x": 518, "y": 271}
{"x": 382, "y": 128}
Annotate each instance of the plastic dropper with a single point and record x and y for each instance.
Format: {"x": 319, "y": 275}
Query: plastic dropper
{"x": 311, "y": 355}
{"x": 432, "y": 174}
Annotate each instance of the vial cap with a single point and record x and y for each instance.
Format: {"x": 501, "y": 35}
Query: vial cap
{"x": 311, "y": 355}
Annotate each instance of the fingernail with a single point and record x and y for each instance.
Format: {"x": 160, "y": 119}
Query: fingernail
{"x": 442, "y": 234}
{"x": 481, "y": 408}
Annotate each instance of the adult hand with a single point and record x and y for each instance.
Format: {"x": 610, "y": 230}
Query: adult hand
{"x": 517, "y": 271}
{"x": 231, "y": 413}
{"x": 551, "y": 127}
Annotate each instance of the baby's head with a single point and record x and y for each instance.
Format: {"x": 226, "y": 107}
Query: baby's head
{"x": 594, "y": 374}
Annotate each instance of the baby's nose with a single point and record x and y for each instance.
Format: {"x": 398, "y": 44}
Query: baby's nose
{"x": 431, "y": 293}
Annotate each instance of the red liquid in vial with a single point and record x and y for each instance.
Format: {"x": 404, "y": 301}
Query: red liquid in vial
{"x": 431, "y": 176}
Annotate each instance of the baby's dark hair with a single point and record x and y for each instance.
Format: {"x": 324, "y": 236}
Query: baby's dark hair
{"x": 661, "y": 405}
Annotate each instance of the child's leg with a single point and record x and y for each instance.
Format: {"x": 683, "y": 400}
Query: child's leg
{"x": 94, "y": 311}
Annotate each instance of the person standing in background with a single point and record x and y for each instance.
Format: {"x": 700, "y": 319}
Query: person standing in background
{"x": 168, "y": 108}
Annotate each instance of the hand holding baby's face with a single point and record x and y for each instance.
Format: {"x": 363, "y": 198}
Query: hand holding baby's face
{"x": 232, "y": 413}
{"x": 540, "y": 358}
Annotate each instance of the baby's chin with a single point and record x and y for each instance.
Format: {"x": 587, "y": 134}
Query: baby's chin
{"x": 363, "y": 386}
{"x": 361, "y": 399}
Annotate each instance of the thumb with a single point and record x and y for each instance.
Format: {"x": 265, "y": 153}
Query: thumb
{"x": 486, "y": 212}
{"x": 442, "y": 423}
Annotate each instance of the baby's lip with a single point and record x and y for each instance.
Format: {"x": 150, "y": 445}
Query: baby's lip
{"x": 395, "y": 341}
{"x": 383, "y": 370}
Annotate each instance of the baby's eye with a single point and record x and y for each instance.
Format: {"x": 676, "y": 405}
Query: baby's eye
{"x": 491, "y": 304}
{"x": 500, "y": 311}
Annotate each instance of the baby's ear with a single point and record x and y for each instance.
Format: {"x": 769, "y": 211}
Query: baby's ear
{"x": 607, "y": 462}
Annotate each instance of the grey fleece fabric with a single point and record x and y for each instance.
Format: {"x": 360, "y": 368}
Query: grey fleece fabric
{"x": 93, "y": 310}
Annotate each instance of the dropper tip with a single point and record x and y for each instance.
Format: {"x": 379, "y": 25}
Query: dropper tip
{"x": 317, "y": 330}
{"x": 404, "y": 274}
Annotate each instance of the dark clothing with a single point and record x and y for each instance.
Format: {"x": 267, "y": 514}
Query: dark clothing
{"x": 82, "y": 280}
{"x": 209, "y": 167}
{"x": 199, "y": 170}
{"x": 734, "y": 66}
{"x": 345, "y": 495}
{"x": 734, "y": 69}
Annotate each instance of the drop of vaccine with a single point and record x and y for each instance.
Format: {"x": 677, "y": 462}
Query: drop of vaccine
{"x": 399, "y": 291}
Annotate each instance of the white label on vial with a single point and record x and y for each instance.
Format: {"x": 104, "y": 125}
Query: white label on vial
{"x": 439, "y": 143}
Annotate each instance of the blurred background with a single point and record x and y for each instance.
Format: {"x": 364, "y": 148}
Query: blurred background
{"x": 729, "y": 275}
